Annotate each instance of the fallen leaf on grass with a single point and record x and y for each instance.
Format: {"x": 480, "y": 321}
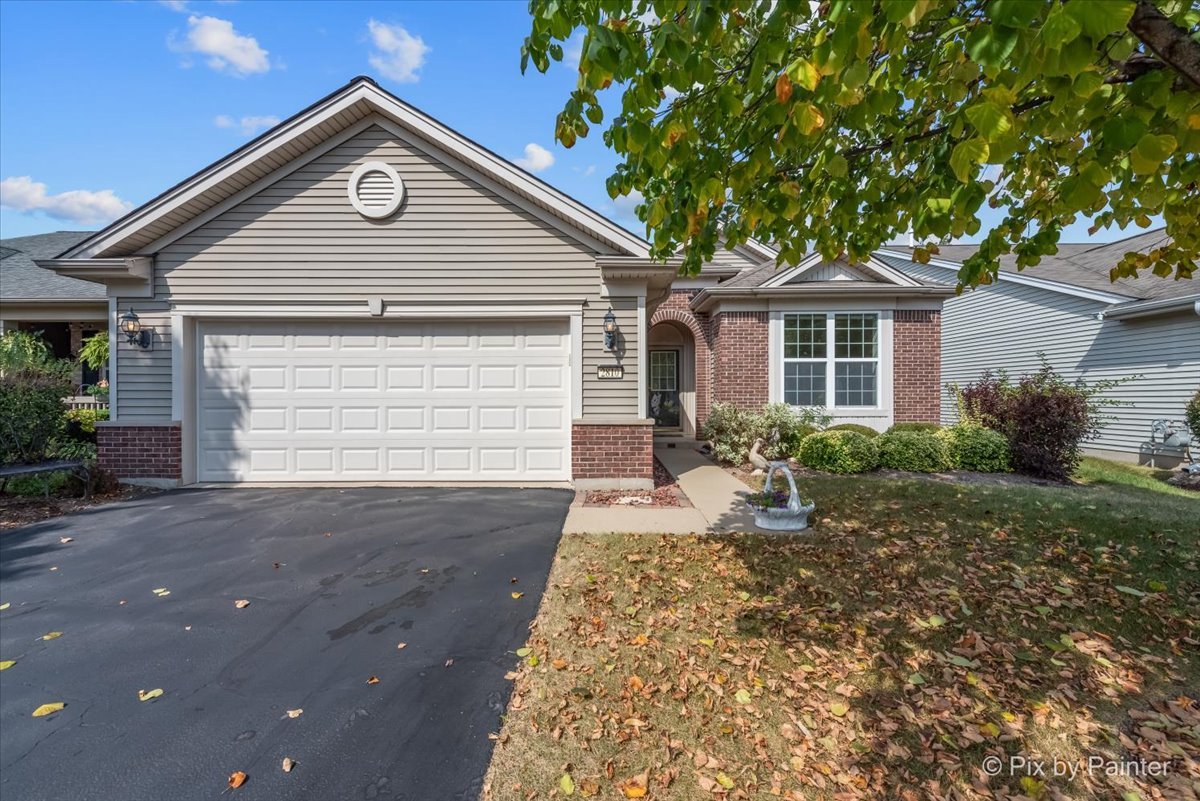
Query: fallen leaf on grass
{"x": 566, "y": 784}
{"x": 146, "y": 695}
{"x": 7, "y": 663}
{"x": 517, "y": 595}
{"x": 724, "y": 781}
{"x": 65, "y": 540}
{"x": 373, "y": 680}
{"x": 559, "y": 664}
{"x": 242, "y": 604}
{"x": 236, "y": 779}
{"x": 295, "y": 713}
{"x": 48, "y": 709}
{"x": 52, "y": 635}
{"x": 636, "y": 786}
{"x": 838, "y": 709}
{"x": 288, "y": 764}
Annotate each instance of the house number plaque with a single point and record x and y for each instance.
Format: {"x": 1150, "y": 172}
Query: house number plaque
{"x": 610, "y": 372}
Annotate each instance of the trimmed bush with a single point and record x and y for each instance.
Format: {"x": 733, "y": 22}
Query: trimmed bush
{"x": 86, "y": 419}
{"x": 1191, "y": 414}
{"x": 732, "y": 431}
{"x": 917, "y": 451}
{"x": 32, "y": 386}
{"x": 866, "y": 431}
{"x": 973, "y": 447}
{"x": 914, "y": 427}
{"x": 838, "y": 452}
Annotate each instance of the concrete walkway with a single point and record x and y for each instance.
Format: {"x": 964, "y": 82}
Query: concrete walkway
{"x": 716, "y": 496}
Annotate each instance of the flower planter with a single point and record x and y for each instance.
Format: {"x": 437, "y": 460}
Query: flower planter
{"x": 790, "y": 517}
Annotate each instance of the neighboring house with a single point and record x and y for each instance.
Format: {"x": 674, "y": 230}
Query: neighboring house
{"x": 64, "y": 310}
{"x": 362, "y": 295}
{"x": 1145, "y": 330}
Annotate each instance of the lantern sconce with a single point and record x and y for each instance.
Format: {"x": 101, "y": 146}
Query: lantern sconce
{"x": 132, "y": 328}
{"x": 610, "y": 330}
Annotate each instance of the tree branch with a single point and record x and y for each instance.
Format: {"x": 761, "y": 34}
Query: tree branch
{"x": 1167, "y": 40}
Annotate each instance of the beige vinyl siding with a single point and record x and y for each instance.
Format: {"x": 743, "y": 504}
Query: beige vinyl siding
{"x": 454, "y": 239}
{"x": 1005, "y": 326}
{"x": 610, "y": 397}
{"x": 738, "y": 258}
{"x": 143, "y": 385}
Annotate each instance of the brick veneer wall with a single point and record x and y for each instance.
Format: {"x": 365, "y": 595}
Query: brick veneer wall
{"x": 612, "y": 451}
{"x": 740, "y": 363}
{"x": 917, "y": 365}
{"x": 140, "y": 451}
{"x": 676, "y": 309}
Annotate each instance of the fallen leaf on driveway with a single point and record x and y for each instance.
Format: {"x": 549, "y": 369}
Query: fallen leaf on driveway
{"x": 517, "y": 595}
{"x": 401, "y": 646}
{"x": 242, "y": 604}
{"x": 54, "y": 568}
{"x": 7, "y": 663}
{"x": 65, "y": 540}
{"x": 288, "y": 764}
{"x": 236, "y": 780}
{"x": 187, "y": 628}
{"x": 449, "y": 662}
{"x": 48, "y": 709}
{"x": 4, "y": 606}
{"x": 373, "y": 680}
{"x": 52, "y": 635}
{"x": 146, "y": 695}
{"x": 162, "y": 592}
{"x": 295, "y": 713}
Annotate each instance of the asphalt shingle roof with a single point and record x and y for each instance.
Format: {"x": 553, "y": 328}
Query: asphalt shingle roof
{"x": 20, "y": 278}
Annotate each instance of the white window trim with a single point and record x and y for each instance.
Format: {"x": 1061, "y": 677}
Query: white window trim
{"x": 881, "y": 415}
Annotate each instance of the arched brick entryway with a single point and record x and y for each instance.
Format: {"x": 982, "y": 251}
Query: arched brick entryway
{"x": 702, "y": 357}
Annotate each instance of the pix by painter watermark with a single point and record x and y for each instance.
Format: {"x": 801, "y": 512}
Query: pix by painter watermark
{"x": 1071, "y": 769}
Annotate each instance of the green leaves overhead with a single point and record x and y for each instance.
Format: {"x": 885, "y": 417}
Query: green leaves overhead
{"x": 838, "y": 127}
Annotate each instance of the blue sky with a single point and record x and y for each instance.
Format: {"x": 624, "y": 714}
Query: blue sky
{"x": 103, "y": 105}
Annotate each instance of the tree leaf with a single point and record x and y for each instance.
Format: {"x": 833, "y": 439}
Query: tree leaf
{"x": 783, "y": 88}
{"x": 989, "y": 119}
{"x": 4, "y": 606}
{"x": 287, "y": 764}
{"x": 809, "y": 118}
{"x": 916, "y": 679}
{"x": 1131, "y": 591}
{"x": 517, "y": 595}
{"x": 7, "y": 663}
{"x": 237, "y": 779}
{"x": 991, "y": 45}
{"x": 294, "y": 713}
{"x": 936, "y": 620}
{"x": 966, "y": 155}
{"x": 742, "y": 696}
{"x": 803, "y": 73}
{"x": 838, "y": 709}
{"x": 48, "y": 709}
{"x": 566, "y": 784}
{"x": 146, "y": 695}
{"x": 526, "y": 651}
{"x": 372, "y": 680}
{"x": 724, "y": 780}
{"x": 53, "y": 635}
{"x": 241, "y": 604}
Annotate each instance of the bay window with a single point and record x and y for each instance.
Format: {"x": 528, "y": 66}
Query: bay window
{"x": 811, "y": 366}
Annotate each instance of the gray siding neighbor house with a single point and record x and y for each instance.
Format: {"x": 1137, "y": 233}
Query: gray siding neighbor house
{"x": 1146, "y": 330}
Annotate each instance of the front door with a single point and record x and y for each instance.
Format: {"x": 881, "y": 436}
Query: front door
{"x": 664, "y": 388}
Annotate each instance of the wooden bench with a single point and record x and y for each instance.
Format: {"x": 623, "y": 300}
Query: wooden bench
{"x": 14, "y": 470}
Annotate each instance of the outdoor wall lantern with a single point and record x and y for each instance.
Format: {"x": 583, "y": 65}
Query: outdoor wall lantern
{"x": 610, "y": 330}
{"x": 132, "y": 328}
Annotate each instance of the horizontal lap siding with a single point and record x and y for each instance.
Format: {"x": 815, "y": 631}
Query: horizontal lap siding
{"x": 143, "y": 385}
{"x": 300, "y": 240}
{"x": 1004, "y": 326}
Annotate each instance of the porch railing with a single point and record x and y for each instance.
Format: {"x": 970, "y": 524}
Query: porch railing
{"x": 85, "y": 402}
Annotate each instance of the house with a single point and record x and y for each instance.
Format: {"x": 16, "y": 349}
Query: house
{"x": 1143, "y": 331}
{"x": 64, "y": 310}
{"x": 361, "y": 294}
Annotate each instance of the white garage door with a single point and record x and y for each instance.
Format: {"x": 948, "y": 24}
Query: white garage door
{"x": 395, "y": 401}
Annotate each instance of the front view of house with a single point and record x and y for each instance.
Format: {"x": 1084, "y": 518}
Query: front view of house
{"x": 363, "y": 295}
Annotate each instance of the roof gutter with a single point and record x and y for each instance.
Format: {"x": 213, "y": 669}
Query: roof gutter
{"x": 102, "y": 271}
{"x": 1148, "y": 308}
{"x": 709, "y": 296}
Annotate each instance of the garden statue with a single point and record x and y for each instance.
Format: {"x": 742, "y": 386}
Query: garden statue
{"x": 780, "y": 510}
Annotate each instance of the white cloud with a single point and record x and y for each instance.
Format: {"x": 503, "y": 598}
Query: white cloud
{"x": 625, "y": 204}
{"x": 175, "y": 5}
{"x": 24, "y": 194}
{"x": 247, "y": 125}
{"x": 591, "y": 170}
{"x": 398, "y": 54}
{"x": 226, "y": 49}
{"x": 572, "y": 52}
{"x": 536, "y": 158}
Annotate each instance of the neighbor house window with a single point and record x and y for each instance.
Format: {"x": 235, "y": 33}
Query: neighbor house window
{"x": 851, "y": 366}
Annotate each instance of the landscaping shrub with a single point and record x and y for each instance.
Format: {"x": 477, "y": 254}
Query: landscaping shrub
{"x": 918, "y": 451}
{"x": 85, "y": 421}
{"x": 1192, "y": 414}
{"x": 1044, "y": 417}
{"x": 32, "y": 386}
{"x": 866, "y": 431}
{"x": 838, "y": 452}
{"x": 914, "y": 427}
{"x": 973, "y": 447}
{"x": 732, "y": 431}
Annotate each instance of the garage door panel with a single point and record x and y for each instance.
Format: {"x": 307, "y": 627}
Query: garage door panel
{"x": 338, "y": 401}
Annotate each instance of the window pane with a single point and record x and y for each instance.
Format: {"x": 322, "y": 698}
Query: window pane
{"x": 804, "y": 336}
{"x": 662, "y": 370}
{"x": 856, "y": 336}
{"x": 804, "y": 384}
{"x": 854, "y": 384}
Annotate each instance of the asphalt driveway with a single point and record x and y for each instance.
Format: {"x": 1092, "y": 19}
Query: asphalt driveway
{"x": 336, "y": 579}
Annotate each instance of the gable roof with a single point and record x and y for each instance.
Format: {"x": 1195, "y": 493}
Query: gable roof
{"x": 21, "y": 279}
{"x": 815, "y": 271}
{"x": 1083, "y": 265}
{"x": 299, "y": 134}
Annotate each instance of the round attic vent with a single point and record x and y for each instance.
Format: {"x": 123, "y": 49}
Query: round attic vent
{"x": 376, "y": 190}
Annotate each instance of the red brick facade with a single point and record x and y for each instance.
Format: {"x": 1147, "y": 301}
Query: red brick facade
{"x": 617, "y": 451}
{"x": 917, "y": 365}
{"x": 740, "y": 366}
{"x": 675, "y": 309}
{"x": 140, "y": 451}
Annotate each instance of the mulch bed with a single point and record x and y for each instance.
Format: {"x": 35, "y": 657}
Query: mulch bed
{"x": 666, "y": 492}
{"x": 1187, "y": 481}
{"x": 21, "y": 510}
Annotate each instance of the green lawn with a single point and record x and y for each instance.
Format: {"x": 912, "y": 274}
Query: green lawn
{"x": 917, "y": 629}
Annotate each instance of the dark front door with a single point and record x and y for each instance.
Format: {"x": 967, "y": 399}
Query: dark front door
{"x": 664, "y": 388}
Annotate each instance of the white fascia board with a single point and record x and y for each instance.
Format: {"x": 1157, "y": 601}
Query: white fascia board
{"x": 504, "y": 309}
{"x": 545, "y": 196}
{"x": 1027, "y": 280}
{"x": 783, "y": 276}
{"x": 1145, "y": 308}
